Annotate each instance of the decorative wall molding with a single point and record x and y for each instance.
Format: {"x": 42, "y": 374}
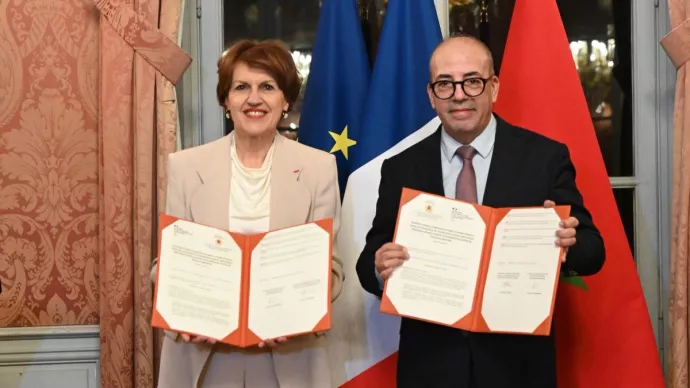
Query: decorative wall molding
{"x": 211, "y": 47}
{"x": 41, "y": 345}
{"x": 665, "y": 99}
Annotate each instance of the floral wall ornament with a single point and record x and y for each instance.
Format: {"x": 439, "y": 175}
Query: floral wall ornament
{"x": 48, "y": 163}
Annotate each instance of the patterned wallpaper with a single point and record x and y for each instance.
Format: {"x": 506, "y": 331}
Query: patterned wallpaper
{"x": 48, "y": 162}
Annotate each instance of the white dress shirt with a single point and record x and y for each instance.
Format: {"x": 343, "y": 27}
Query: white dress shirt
{"x": 451, "y": 163}
{"x": 250, "y": 195}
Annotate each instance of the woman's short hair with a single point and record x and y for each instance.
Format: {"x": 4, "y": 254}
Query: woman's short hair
{"x": 271, "y": 56}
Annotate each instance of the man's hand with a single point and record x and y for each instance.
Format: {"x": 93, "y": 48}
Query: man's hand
{"x": 565, "y": 236}
{"x": 272, "y": 343}
{"x": 389, "y": 257}
{"x": 197, "y": 339}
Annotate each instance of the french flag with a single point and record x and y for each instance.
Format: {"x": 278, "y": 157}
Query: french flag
{"x": 396, "y": 114}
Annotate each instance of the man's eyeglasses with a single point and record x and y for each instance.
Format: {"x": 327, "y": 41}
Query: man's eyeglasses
{"x": 472, "y": 87}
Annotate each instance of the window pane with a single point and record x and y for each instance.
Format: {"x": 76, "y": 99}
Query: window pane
{"x": 294, "y": 22}
{"x": 600, "y": 39}
{"x": 625, "y": 199}
{"x": 188, "y": 133}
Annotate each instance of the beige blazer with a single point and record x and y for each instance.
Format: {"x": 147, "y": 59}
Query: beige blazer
{"x": 304, "y": 187}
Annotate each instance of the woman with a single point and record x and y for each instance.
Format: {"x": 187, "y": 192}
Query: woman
{"x": 252, "y": 180}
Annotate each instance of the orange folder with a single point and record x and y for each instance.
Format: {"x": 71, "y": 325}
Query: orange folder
{"x": 474, "y": 321}
{"x": 243, "y": 336}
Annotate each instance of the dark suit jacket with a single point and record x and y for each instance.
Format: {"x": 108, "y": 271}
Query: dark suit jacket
{"x": 526, "y": 169}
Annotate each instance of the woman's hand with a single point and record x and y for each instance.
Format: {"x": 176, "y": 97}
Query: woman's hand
{"x": 272, "y": 343}
{"x": 197, "y": 339}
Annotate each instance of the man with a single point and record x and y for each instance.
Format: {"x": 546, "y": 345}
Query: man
{"x": 476, "y": 156}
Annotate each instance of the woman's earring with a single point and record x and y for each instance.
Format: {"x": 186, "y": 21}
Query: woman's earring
{"x": 285, "y": 114}
{"x": 227, "y": 114}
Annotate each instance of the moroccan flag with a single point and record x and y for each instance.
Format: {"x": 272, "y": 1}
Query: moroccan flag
{"x": 603, "y": 331}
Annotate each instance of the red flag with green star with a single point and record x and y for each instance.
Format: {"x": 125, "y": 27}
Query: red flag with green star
{"x": 604, "y": 336}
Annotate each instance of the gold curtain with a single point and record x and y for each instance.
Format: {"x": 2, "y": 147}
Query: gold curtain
{"x": 677, "y": 46}
{"x": 139, "y": 61}
{"x": 87, "y": 119}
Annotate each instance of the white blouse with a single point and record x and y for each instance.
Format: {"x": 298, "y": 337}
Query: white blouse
{"x": 250, "y": 194}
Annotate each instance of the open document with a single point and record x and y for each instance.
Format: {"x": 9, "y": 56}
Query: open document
{"x": 474, "y": 267}
{"x": 242, "y": 289}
